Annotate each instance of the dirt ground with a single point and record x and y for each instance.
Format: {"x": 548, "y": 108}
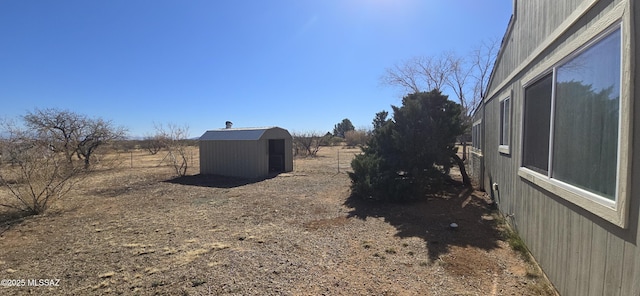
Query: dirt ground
{"x": 136, "y": 230}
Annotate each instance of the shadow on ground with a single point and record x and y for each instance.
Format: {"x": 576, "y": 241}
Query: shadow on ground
{"x": 12, "y": 218}
{"x": 216, "y": 181}
{"x": 430, "y": 219}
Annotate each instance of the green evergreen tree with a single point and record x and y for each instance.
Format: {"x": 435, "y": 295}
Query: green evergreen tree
{"x": 343, "y": 127}
{"x": 380, "y": 119}
{"x": 412, "y": 153}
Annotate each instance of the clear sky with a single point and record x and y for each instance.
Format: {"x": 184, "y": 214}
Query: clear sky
{"x": 303, "y": 65}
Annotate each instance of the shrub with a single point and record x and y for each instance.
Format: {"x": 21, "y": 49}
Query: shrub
{"x": 356, "y": 138}
{"x": 175, "y": 139}
{"x": 411, "y": 154}
{"x": 36, "y": 177}
{"x": 308, "y": 143}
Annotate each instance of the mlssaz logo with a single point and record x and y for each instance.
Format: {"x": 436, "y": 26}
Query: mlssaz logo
{"x": 43, "y": 282}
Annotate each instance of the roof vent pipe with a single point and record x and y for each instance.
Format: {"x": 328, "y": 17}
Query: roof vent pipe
{"x": 228, "y": 124}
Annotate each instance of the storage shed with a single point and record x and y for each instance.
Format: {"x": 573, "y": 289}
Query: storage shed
{"x": 246, "y": 152}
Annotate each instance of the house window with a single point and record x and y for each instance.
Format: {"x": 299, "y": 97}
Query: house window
{"x": 571, "y": 120}
{"x": 476, "y": 135}
{"x": 537, "y": 120}
{"x": 505, "y": 125}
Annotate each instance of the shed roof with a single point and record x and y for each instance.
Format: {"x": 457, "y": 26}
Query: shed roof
{"x": 237, "y": 134}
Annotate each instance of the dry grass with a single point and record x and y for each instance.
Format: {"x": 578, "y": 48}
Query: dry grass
{"x": 137, "y": 231}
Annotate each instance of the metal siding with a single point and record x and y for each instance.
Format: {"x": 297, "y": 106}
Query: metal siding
{"x": 243, "y": 158}
{"x": 232, "y": 134}
{"x": 580, "y": 253}
{"x": 261, "y": 165}
{"x": 276, "y": 133}
{"x": 279, "y": 133}
{"x": 229, "y": 158}
{"x": 288, "y": 150}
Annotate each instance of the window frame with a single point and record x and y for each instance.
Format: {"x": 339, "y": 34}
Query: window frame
{"x": 504, "y": 146}
{"x": 614, "y": 211}
{"x": 476, "y": 136}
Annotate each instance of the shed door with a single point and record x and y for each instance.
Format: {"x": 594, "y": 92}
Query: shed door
{"x": 276, "y": 155}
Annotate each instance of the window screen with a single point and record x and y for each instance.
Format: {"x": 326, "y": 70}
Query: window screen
{"x": 537, "y": 121}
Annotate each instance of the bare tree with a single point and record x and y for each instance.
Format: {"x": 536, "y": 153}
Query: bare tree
{"x": 308, "y": 143}
{"x": 39, "y": 175}
{"x": 59, "y": 128}
{"x": 176, "y": 142}
{"x": 467, "y": 76}
{"x": 404, "y": 75}
{"x": 71, "y": 133}
{"x": 483, "y": 59}
{"x": 153, "y": 144}
{"x": 458, "y": 80}
{"x": 434, "y": 70}
{"x": 95, "y": 133}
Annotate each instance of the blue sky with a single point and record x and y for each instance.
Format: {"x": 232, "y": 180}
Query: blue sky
{"x": 300, "y": 64}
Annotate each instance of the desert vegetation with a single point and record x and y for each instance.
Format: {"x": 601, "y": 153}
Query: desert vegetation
{"x": 410, "y": 155}
{"x": 465, "y": 75}
{"x": 309, "y": 143}
{"x": 40, "y": 155}
{"x": 145, "y": 222}
{"x": 340, "y": 129}
{"x": 47, "y": 153}
{"x": 138, "y": 229}
{"x": 174, "y": 139}
{"x": 69, "y": 133}
{"x": 32, "y": 176}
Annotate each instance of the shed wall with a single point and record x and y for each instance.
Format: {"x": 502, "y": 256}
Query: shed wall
{"x": 247, "y": 159}
{"x": 278, "y": 133}
{"x": 243, "y": 158}
{"x": 581, "y": 253}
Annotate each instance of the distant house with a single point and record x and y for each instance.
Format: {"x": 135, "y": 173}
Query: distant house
{"x": 246, "y": 152}
{"x": 556, "y": 142}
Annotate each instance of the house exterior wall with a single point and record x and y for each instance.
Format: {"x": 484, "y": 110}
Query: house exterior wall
{"x": 581, "y": 252}
{"x": 475, "y": 163}
{"x": 476, "y": 159}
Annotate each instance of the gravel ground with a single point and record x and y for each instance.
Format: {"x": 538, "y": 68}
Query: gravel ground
{"x": 137, "y": 231}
